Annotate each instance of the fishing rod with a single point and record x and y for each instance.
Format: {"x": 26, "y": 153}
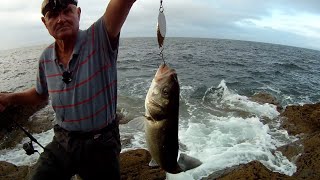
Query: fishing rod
{"x": 28, "y": 147}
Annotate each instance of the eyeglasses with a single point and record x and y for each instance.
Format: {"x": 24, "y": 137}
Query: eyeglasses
{"x": 67, "y": 77}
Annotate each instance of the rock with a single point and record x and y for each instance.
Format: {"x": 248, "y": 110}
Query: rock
{"x": 301, "y": 119}
{"x": 308, "y": 162}
{"x": 134, "y": 165}
{"x": 253, "y": 170}
{"x": 41, "y": 121}
{"x": 292, "y": 151}
{"x": 9, "y": 171}
{"x": 263, "y": 98}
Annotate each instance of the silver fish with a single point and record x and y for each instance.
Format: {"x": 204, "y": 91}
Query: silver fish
{"x": 162, "y": 111}
{"x": 161, "y": 123}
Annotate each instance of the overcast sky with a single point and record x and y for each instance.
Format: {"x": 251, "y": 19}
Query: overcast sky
{"x": 288, "y": 22}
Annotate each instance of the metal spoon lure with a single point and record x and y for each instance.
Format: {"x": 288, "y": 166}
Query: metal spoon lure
{"x": 161, "y": 29}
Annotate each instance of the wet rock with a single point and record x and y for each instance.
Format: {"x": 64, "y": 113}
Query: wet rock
{"x": 253, "y": 170}
{"x": 292, "y": 151}
{"x": 308, "y": 162}
{"x": 41, "y": 121}
{"x": 134, "y": 165}
{"x": 9, "y": 171}
{"x": 263, "y": 98}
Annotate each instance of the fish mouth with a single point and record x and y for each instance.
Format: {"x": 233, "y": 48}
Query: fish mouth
{"x": 164, "y": 73}
{"x": 154, "y": 103}
{"x": 164, "y": 68}
{"x": 156, "y": 111}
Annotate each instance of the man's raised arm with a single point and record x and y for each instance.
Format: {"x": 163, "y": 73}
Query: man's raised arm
{"x": 115, "y": 15}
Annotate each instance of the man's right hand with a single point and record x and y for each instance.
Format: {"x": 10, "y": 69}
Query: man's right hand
{"x": 4, "y": 101}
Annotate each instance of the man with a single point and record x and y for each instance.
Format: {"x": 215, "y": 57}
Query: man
{"x": 78, "y": 73}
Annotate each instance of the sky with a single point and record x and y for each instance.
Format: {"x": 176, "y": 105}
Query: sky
{"x": 287, "y": 22}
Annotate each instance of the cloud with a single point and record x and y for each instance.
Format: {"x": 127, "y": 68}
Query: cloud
{"x": 291, "y": 22}
{"x": 300, "y": 24}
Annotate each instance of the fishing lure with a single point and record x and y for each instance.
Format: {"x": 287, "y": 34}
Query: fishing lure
{"x": 161, "y": 29}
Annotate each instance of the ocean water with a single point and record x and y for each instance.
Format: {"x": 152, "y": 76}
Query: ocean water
{"x": 218, "y": 123}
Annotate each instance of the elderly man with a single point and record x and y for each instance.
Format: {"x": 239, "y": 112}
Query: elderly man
{"x": 78, "y": 72}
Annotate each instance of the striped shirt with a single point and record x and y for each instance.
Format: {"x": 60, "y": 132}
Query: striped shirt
{"x": 89, "y": 101}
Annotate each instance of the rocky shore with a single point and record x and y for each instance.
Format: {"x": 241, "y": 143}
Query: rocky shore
{"x": 301, "y": 121}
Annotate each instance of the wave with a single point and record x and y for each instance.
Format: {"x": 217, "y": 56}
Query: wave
{"x": 222, "y": 100}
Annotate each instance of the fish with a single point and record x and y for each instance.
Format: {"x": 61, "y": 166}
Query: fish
{"x": 161, "y": 123}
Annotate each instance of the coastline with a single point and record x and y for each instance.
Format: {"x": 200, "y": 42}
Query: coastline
{"x": 300, "y": 121}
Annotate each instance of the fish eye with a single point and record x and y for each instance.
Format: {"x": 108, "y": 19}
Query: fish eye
{"x": 165, "y": 91}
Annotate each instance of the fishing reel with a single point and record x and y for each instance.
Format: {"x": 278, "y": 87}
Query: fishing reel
{"x": 28, "y": 147}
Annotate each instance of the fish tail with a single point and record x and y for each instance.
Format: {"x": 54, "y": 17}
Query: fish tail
{"x": 187, "y": 162}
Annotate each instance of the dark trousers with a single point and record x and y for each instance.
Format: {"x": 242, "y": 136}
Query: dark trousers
{"x": 92, "y": 156}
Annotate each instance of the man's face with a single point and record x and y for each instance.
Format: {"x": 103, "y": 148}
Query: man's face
{"x": 64, "y": 23}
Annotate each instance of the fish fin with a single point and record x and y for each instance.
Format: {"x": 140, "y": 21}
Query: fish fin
{"x": 153, "y": 163}
{"x": 187, "y": 162}
{"x": 137, "y": 123}
{"x": 148, "y": 118}
{"x": 182, "y": 147}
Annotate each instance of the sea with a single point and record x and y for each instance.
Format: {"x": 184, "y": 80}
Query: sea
{"x": 219, "y": 124}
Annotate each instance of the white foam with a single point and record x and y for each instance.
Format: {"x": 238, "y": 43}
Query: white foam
{"x": 221, "y": 142}
{"x": 180, "y": 176}
{"x": 237, "y": 102}
{"x": 18, "y": 156}
{"x": 137, "y": 140}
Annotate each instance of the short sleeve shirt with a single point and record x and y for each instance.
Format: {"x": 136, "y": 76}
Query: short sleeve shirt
{"x": 89, "y": 101}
